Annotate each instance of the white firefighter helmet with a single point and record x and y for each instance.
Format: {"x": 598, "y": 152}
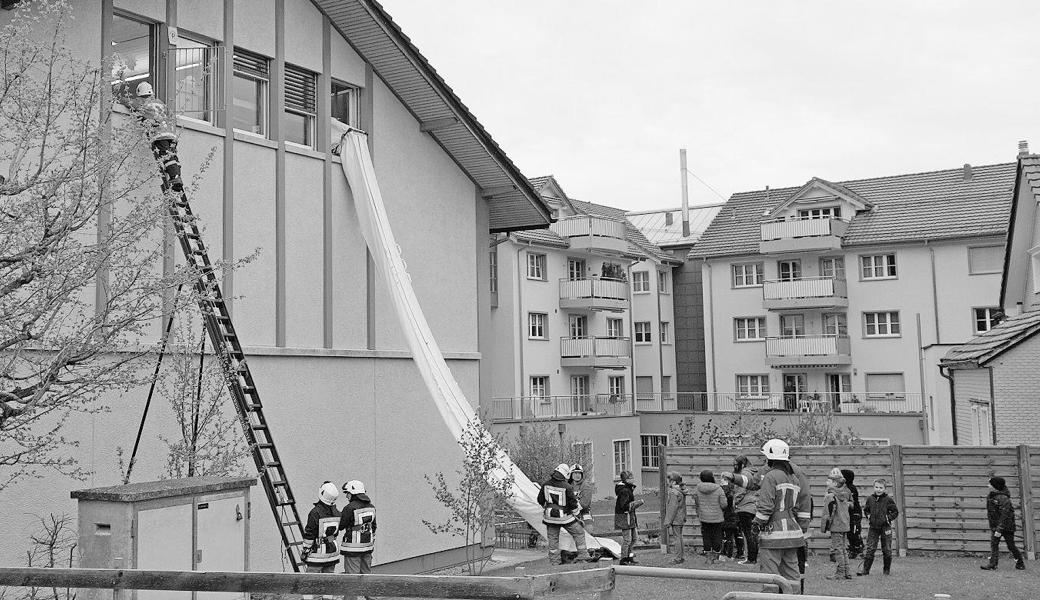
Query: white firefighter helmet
{"x": 144, "y": 89}
{"x": 564, "y": 469}
{"x": 354, "y": 487}
{"x": 776, "y": 449}
{"x": 328, "y": 493}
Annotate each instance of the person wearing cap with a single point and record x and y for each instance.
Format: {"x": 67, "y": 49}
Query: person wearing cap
{"x": 675, "y": 514}
{"x": 837, "y": 505}
{"x": 559, "y": 505}
{"x": 782, "y": 513}
{"x": 1001, "y": 514}
{"x": 625, "y": 515}
{"x": 320, "y": 550}
{"x": 358, "y": 524}
{"x": 584, "y": 496}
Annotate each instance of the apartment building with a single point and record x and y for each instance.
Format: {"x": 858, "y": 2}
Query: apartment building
{"x": 843, "y": 296}
{"x": 582, "y": 312}
{"x": 256, "y": 83}
{"x": 993, "y": 376}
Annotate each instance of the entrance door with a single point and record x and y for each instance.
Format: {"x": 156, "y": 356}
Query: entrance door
{"x": 794, "y": 389}
{"x": 221, "y": 539}
{"x": 981, "y": 423}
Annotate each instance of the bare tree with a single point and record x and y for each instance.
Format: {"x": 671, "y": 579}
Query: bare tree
{"x": 53, "y": 544}
{"x": 81, "y": 244}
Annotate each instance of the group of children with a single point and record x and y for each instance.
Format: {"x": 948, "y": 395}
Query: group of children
{"x": 842, "y": 516}
{"x": 716, "y": 507}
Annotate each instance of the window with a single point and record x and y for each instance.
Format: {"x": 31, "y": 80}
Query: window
{"x": 249, "y": 92}
{"x": 642, "y": 332}
{"x": 535, "y": 266}
{"x": 493, "y": 275}
{"x": 664, "y": 333}
{"x": 133, "y": 51}
{"x": 747, "y": 275}
{"x": 536, "y": 326}
{"x": 575, "y": 269}
{"x": 622, "y": 457}
{"x": 832, "y": 266}
{"x": 614, "y": 328}
{"x": 301, "y": 106}
{"x": 792, "y": 326}
{"x": 752, "y": 386}
{"x": 878, "y": 266}
{"x": 540, "y": 387}
{"x": 981, "y": 423}
{"x": 640, "y": 281}
{"x": 824, "y": 212}
{"x": 344, "y": 103}
{"x": 582, "y": 454}
{"x": 580, "y": 399}
{"x": 881, "y": 324}
{"x": 662, "y": 282}
{"x": 750, "y": 328}
{"x": 616, "y": 386}
{"x": 985, "y": 259}
{"x": 835, "y": 324}
{"x": 644, "y": 387}
{"x": 611, "y": 270}
{"x": 577, "y": 325}
{"x": 650, "y": 445}
{"x": 789, "y": 270}
{"x": 986, "y": 318}
{"x": 1034, "y": 260}
{"x": 195, "y": 83}
{"x": 885, "y": 385}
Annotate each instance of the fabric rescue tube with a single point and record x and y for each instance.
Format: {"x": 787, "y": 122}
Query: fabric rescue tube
{"x": 447, "y": 395}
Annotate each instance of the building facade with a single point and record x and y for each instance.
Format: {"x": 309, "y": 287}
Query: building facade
{"x": 254, "y": 84}
{"x": 841, "y": 297}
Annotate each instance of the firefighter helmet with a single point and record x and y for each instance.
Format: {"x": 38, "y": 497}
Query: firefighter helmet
{"x": 577, "y": 472}
{"x": 776, "y": 449}
{"x": 564, "y": 469}
{"x": 144, "y": 89}
{"x": 328, "y": 493}
{"x": 354, "y": 487}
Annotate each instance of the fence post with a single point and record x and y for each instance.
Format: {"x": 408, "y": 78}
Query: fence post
{"x": 900, "y": 497}
{"x": 662, "y": 493}
{"x": 1025, "y": 490}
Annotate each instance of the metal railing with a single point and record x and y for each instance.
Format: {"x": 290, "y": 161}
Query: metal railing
{"x": 835, "y": 402}
{"x": 595, "y": 288}
{"x": 808, "y": 287}
{"x": 553, "y": 407}
{"x": 803, "y": 227}
{"x": 585, "y": 225}
{"x": 590, "y": 347}
{"x": 816, "y": 345}
{"x": 656, "y": 402}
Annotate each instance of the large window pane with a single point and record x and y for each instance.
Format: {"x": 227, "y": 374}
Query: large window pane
{"x": 194, "y": 79}
{"x": 132, "y": 51}
{"x": 248, "y": 114}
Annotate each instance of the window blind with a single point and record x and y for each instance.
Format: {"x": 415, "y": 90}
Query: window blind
{"x": 251, "y": 64}
{"x": 299, "y": 89}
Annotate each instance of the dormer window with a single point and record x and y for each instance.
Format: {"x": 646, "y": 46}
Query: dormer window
{"x": 823, "y": 212}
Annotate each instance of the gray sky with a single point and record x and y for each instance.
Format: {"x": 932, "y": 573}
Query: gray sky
{"x": 602, "y": 94}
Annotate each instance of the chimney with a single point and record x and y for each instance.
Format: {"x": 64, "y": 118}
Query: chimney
{"x": 685, "y": 195}
{"x": 967, "y": 172}
{"x": 1023, "y": 148}
{"x": 668, "y": 219}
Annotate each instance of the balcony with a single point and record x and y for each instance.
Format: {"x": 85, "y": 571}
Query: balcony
{"x": 799, "y": 235}
{"x": 594, "y": 294}
{"x": 814, "y": 402}
{"x": 656, "y": 402}
{"x": 596, "y": 352}
{"x": 814, "y": 351}
{"x": 811, "y": 292}
{"x": 554, "y": 407}
{"x": 594, "y": 234}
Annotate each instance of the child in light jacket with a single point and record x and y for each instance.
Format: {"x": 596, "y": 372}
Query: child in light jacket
{"x": 710, "y": 502}
{"x": 837, "y": 521}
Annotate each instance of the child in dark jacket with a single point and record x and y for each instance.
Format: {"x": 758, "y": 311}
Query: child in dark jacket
{"x": 880, "y": 511}
{"x": 855, "y": 515}
{"x": 837, "y": 504}
{"x": 1001, "y": 516}
{"x": 733, "y": 546}
{"x": 625, "y": 516}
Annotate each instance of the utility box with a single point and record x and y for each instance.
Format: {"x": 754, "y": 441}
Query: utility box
{"x": 189, "y": 524}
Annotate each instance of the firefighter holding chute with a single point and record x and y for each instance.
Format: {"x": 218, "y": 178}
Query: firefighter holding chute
{"x": 159, "y": 124}
{"x": 559, "y": 505}
{"x": 358, "y": 524}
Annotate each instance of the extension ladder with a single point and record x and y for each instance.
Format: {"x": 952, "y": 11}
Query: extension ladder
{"x": 236, "y": 370}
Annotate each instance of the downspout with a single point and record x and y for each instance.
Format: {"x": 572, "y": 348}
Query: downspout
{"x": 920, "y": 375}
{"x": 935, "y": 292}
{"x": 953, "y": 404}
{"x": 992, "y": 406}
{"x": 660, "y": 342}
{"x": 711, "y": 346}
{"x": 523, "y": 324}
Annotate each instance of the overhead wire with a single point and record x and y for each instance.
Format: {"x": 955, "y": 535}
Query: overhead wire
{"x": 706, "y": 184}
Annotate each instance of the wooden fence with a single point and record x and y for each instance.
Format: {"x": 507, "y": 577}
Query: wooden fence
{"x": 940, "y": 490}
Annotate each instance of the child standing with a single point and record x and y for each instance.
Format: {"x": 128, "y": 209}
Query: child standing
{"x": 675, "y": 514}
{"x": 856, "y": 514}
{"x": 880, "y": 511}
{"x": 732, "y": 546}
{"x": 836, "y": 521}
{"x": 1001, "y": 523}
{"x": 710, "y": 502}
{"x": 625, "y": 516}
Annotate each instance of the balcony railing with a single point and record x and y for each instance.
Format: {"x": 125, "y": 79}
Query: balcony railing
{"x": 593, "y": 233}
{"x": 802, "y": 234}
{"x": 810, "y": 292}
{"x": 553, "y": 407}
{"x": 594, "y": 294}
{"x": 808, "y": 351}
{"x": 656, "y": 402}
{"x": 601, "y": 352}
{"x": 831, "y": 402}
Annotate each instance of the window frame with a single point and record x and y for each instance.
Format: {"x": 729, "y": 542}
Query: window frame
{"x": 309, "y": 114}
{"x": 646, "y": 333}
{"x": 536, "y": 264}
{"x": 754, "y": 392}
{"x": 662, "y": 282}
{"x": 577, "y": 269}
{"x": 353, "y": 95}
{"x": 757, "y": 275}
{"x": 664, "y": 328}
{"x": 493, "y": 270}
{"x": 576, "y": 322}
{"x": 820, "y": 212}
{"x": 153, "y": 50}
{"x": 546, "y": 395}
{"x": 888, "y": 264}
{"x": 835, "y": 268}
{"x": 760, "y": 329}
{"x": 532, "y": 316}
{"x": 262, "y": 86}
{"x": 212, "y": 84}
{"x": 794, "y": 268}
{"x": 620, "y": 331}
{"x": 877, "y": 323}
{"x": 841, "y": 324}
{"x": 640, "y": 282}
{"x": 997, "y": 270}
{"x": 884, "y": 395}
{"x": 649, "y": 451}
{"x": 993, "y": 316}
{"x": 799, "y": 329}
{"x": 612, "y": 382}
{"x": 627, "y": 466}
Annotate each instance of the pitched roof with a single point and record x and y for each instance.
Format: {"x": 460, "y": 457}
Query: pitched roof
{"x": 654, "y": 224}
{"x": 987, "y": 346}
{"x": 512, "y": 203}
{"x": 636, "y": 240}
{"x": 919, "y": 206}
{"x": 1027, "y": 174}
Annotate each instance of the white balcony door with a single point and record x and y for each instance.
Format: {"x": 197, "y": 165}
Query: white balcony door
{"x": 580, "y": 393}
{"x": 578, "y": 325}
{"x": 789, "y": 270}
{"x": 794, "y": 388}
{"x": 792, "y": 326}
{"x": 835, "y": 324}
{"x": 575, "y": 269}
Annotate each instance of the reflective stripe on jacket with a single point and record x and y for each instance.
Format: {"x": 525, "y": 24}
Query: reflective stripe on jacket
{"x": 554, "y": 510}
{"x": 783, "y": 502}
{"x": 320, "y": 534}
{"x": 360, "y": 537}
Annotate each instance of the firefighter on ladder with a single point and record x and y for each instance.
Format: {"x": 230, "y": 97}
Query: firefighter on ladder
{"x": 358, "y": 524}
{"x": 159, "y": 124}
